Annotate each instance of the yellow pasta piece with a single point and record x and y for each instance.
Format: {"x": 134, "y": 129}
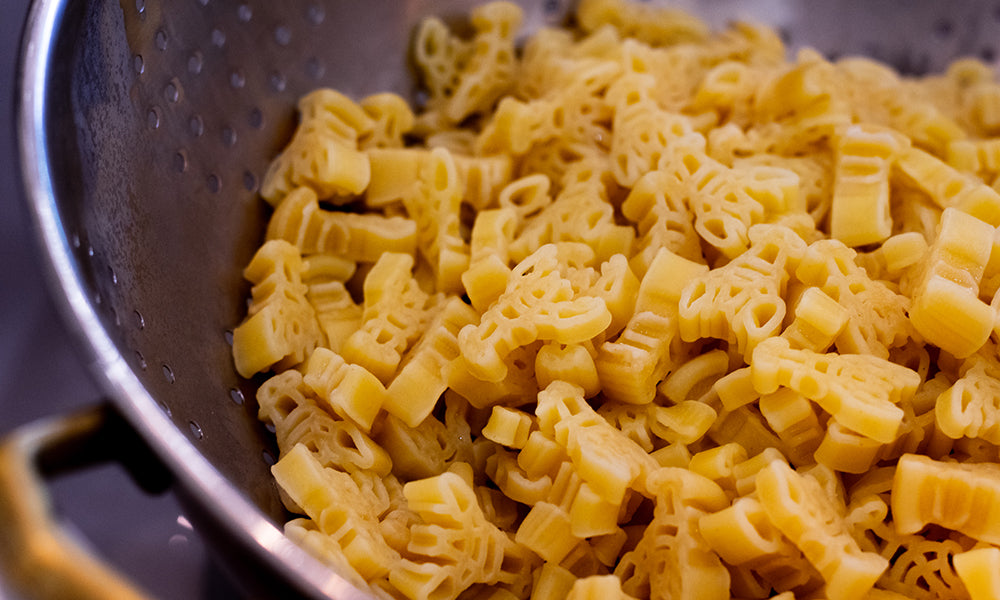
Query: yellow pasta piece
{"x": 351, "y": 391}
{"x": 957, "y": 496}
{"x": 508, "y": 427}
{"x": 922, "y": 567}
{"x": 478, "y": 76}
{"x": 651, "y": 24}
{"x": 281, "y": 328}
{"x": 859, "y": 214}
{"x": 337, "y": 313}
{"x": 971, "y": 407}
{"x": 903, "y": 250}
{"x": 395, "y": 312}
{"x": 672, "y": 559}
{"x": 552, "y": 582}
{"x": 641, "y": 130}
{"x": 591, "y": 515}
{"x": 801, "y": 510}
{"x": 792, "y": 417}
{"x": 435, "y": 209}
{"x": 503, "y": 469}
{"x": 453, "y": 545}
{"x": 602, "y": 455}
{"x": 416, "y": 452}
{"x": 718, "y": 463}
{"x": 735, "y": 389}
{"x": 860, "y": 392}
{"x": 394, "y": 174}
{"x": 948, "y": 187}
{"x": 844, "y": 450}
{"x": 577, "y": 214}
{"x": 571, "y": 363}
{"x": 979, "y": 570}
{"x": 541, "y": 454}
{"x": 359, "y": 237}
{"x": 598, "y": 587}
{"x": 339, "y": 508}
{"x": 692, "y": 379}
{"x": 817, "y": 321}
{"x": 742, "y": 302}
{"x": 662, "y": 220}
{"x": 423, "y": 377}
{"x": 946, "y": 308}
{"x": 630, "y": 367}
{"x": 547, "y": 530}
{"x": 537, "y": 304}
{"x": 743, "y": 533}
{"x": 515, "y": 388}
{"x": 306, "y": 534}
{"x": 287, "y": 403}
{"x": 683, "y": 423}
{"x": 323, "y": 153}
{"x": 876, "y": 315}
{"x": 392, "y": 118}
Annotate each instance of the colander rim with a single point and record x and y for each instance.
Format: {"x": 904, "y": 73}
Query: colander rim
{"x": 200, "y": 481}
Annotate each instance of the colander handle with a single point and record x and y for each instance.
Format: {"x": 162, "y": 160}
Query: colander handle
{"x": 38, "y": 557}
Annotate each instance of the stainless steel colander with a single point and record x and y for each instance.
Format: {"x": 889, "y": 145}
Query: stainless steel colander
{"x": 145, "y": 128}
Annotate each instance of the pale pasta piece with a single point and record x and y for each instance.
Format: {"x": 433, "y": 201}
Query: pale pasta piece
{"x": 860, "y": 392}
{"x": 351, "y": 391}
{"x": 742, "y": 302}
{"x": 860, "y": 211}
{"x": 340, "y": 509}
{"x": 979, "y": 570}
{"x": 452, "y": 546}
{"x": 957, "y": 496}
{"x": 799, "y": 508}
{"x": 423, "y": 377}
{"x": 539, "y": 303}
{"x": 395, "y": 310}
{"x": 946, "y": 308}
{"x": 299, "y": 219}
{"x": 281, "y": 326}
{"x": 323, "y": 153}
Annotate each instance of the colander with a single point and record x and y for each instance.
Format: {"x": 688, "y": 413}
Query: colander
{"x": 145, "y": 128}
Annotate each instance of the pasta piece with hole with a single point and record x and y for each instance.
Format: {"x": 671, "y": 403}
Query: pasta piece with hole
{"x": 395, "y": 313}
{"x": 860, "y": 392}
{"x": 946, "y": 308}
{"x": 293, "y": 409}
{"x": 958, "y": 496}
{"x": 539, "y": 303}
{"x": 452, "y": 546}
{"x": 802, "y": 511}
{"x": 743, "y": 301}
{"x": 971, "y": 406}
{"x": 422, "y": 377}
{"x": 354, "y": 236}
{"x": 281, "y": 327}
{"x": 859, "y": 214}
{"x": 323, "y": 153}
{"x": 340, "y": 510}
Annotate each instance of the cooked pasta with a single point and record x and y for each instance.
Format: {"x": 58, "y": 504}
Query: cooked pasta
{"x": 638, "y": 310}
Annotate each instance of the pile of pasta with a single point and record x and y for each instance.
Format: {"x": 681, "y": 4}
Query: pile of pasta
{"x": 633, "y": 308}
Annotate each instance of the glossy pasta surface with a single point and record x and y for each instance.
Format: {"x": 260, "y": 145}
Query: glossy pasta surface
{"x": 636, "y": 309}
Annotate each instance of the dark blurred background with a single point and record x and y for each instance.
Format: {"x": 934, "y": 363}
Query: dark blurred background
{"x": 145, "y": 536}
